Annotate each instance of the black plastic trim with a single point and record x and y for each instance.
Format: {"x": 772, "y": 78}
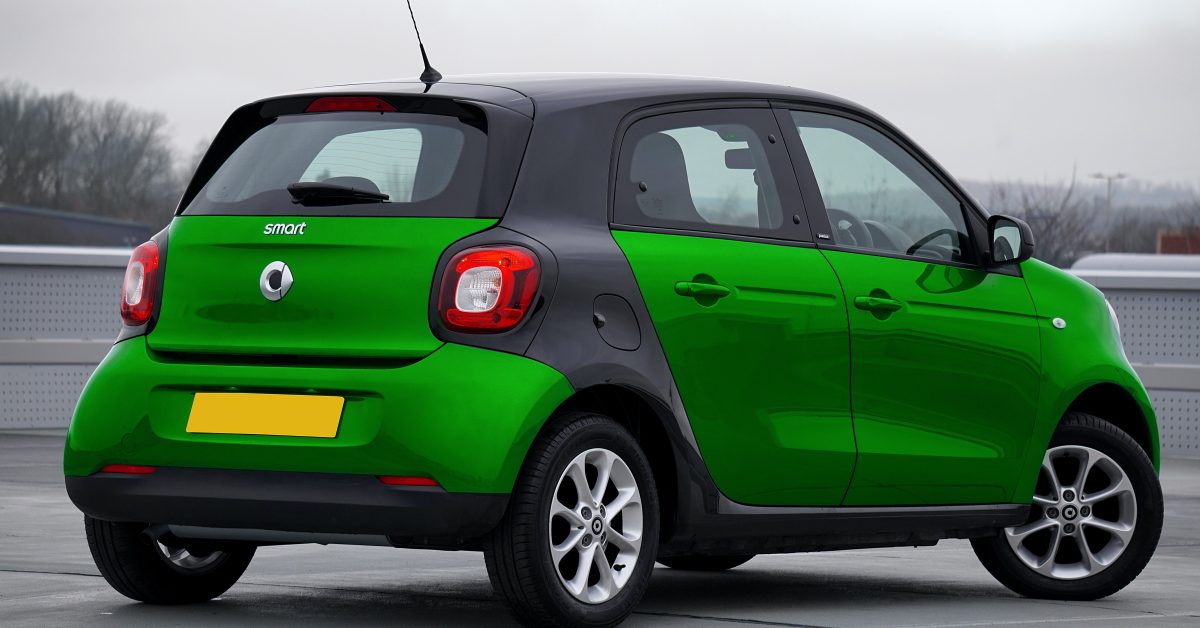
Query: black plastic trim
{"x": 290, "y": 502}
{"x": 714, "y": 235}
{"x": 737, "y": 528}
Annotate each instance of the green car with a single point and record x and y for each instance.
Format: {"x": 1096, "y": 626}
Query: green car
{"x": 587, "y": 324}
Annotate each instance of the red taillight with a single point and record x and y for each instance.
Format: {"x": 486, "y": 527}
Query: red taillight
{"x": 488, "y": 289}
{"x": 131, "y": 469}
{"x": 141, "y": 281}
{"x": 348, "y": 103}
{"x": 404, "y": 480}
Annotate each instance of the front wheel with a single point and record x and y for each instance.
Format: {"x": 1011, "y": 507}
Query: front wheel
{"x": 163, "y": 571}
{"x": 577, "y": 545}
{"x": 1096, "y": 519}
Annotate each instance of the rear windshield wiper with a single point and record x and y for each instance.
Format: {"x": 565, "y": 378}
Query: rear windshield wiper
{"x": 317, "y": 193}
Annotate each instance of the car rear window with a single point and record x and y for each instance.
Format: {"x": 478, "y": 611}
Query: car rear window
{"x": 428, "y": 165}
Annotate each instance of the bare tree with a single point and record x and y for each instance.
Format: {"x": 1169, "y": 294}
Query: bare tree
{"x": 107, "y": 158}
{"x": 1059, "y": 217}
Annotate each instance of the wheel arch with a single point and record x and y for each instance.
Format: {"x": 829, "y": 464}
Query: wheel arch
{"x": 645, "y": 419}
{"x": 1116, "y": 405}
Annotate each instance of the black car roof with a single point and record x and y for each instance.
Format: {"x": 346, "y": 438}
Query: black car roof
{"x": 551, "y": 92}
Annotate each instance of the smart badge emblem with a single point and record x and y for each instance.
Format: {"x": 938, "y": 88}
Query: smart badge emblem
{"x": 275, "y": 281}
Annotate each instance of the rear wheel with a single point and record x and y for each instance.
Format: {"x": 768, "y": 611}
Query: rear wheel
{"x": 1096, "y": 519}
{"x": 705, "y": 563}
{"x": 576, "y": 547}
{"x": 163, "y": 571}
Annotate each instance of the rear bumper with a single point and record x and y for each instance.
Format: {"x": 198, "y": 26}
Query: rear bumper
{"x": 463, "y": 416}
{"x": 291, "y": 502}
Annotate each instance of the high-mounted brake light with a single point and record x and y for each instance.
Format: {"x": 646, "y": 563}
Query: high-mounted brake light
{"x": 348, "y": 103}
{"x": 141, "y": 281}
{"x": 488, "y": 289}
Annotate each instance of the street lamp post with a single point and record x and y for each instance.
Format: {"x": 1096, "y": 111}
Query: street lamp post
{"x": 1108, "y": 179}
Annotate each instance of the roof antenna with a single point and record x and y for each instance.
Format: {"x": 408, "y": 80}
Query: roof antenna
{"x": 430, "y": 75}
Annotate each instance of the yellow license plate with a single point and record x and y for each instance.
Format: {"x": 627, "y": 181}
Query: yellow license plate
{"x": 267, "y": 415}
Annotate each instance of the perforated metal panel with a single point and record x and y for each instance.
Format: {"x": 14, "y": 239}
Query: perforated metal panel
{"x": 42, "y": 395}
{"x": 59, "y": 302}
{"x": 1178, "y": 421}
{"x": 60, "y": 296}
{"x": 1159, "y": 326}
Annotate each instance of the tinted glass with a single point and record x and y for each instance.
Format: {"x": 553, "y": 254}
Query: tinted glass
{"x": 428, "y": 164}
{"x": 705, "y": 171}
{"x": 877, "y": 195}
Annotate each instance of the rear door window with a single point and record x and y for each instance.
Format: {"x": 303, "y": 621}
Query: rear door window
{"x": 720, "y": 171}
{"x": 427, "y": 165}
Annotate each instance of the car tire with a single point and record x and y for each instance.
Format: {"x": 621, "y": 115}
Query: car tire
{"x": 696, "y": 562}
{"x": 148, "y": 570}
{"x": 1082, "y": 560}
{"x": 535, "y": 555}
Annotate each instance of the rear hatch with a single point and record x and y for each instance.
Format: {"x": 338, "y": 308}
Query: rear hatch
{"x": 287, "y": 247}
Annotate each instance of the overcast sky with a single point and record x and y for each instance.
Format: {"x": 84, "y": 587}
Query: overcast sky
{"x": 994, "y": 90}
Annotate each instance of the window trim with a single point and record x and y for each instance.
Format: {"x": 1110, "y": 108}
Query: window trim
{"x": 973, "y": 216}
{"x": 782, "y": 169}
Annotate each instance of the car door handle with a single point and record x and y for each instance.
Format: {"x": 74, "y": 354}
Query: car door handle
{"x": 697, "y": 289}
{"x": 877, "y": 304}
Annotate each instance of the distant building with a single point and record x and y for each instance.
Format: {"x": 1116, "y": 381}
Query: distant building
{"x": 20, "y": 224}
{"x": 1179, "y": 241}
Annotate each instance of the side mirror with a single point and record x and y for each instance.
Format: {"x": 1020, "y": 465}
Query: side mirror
{"x": 1011, "y": 240}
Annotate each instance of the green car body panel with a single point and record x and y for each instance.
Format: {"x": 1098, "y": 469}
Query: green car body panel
{"x": 763, "y": 372}
{"x": 372, "y": 307}
{"x": 933, "y": 424}
{"x": 928, "y": 428}
{"x": 1083, "y": 354}
{"x": 411, "y": 406}
{"x": 423, "y": 419}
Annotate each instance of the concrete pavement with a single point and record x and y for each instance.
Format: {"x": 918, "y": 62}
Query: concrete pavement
{"x": 47, "y": 577}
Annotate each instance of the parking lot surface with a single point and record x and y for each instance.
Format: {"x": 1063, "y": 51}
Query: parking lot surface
{"x": 47, "y": 577}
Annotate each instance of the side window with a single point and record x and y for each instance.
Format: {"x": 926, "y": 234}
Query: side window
{"x": 702, "y": 171}
{"x": 878, "y": 196}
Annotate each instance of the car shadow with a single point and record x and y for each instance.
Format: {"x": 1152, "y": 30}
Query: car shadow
{"x": 745, "y": 593}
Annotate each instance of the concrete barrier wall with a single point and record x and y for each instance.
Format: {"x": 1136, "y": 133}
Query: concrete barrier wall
{"x": 58, "y": 317}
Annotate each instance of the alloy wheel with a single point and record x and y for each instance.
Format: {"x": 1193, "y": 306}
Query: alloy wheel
{"x": 595, "y": 524}
{"x": 1084, "y": 515}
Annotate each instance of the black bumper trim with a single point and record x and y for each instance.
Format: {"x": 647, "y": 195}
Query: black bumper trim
{"x": 292, "y": 502}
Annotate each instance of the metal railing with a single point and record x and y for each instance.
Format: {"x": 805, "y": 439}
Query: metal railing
{"x": 58, "y": 316}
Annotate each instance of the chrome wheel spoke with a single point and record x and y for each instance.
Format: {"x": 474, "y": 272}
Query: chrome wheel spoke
{"x": 1056, "y": 487}
{"x": 1018, "y": 534}
{"x": 606, "y": 587}
{"x": 1046, "y": 563}
{"x": 1087, "y": 462}
{"x": 558, "y": 509}
{"x": 1121, "y": 531}
{"x": 625, "y": 497}
{"x": 1116, "y": 489}
{"x": 578, "y": 584}
{"x": 604, "y": 465}
{"x": 570, "y": 543}
{"x": 1086, "y": 559}
{"x": 624, "y": 543}
{"x": 578, "y": 476}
